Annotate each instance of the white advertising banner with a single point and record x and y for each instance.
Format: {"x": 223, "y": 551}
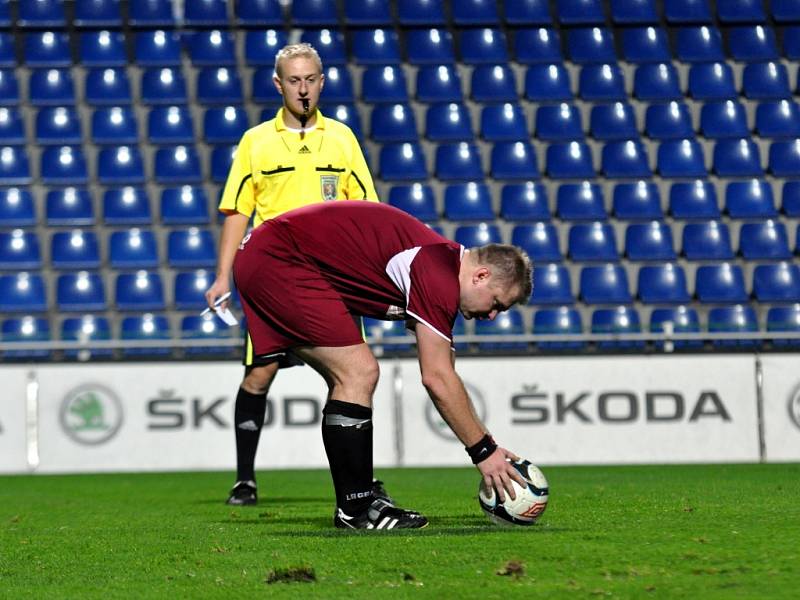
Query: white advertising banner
{"x": 13, "y": 438}
{"x": 781, "y": 394}
{"x": 598, "y": 410}
{"x": 176, "y": 416}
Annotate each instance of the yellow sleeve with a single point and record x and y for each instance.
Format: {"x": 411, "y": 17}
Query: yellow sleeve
{"x": 359, "y": 185}
{"x": 239, "y": 194}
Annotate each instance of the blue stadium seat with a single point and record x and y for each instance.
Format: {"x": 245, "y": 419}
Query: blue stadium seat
{"x": 55, "y": 125}
{"x": 219, "y": 85}
{"x": 678, "y": 319}
{"x": 436, "y": 83}
{"x": 527, "y": 12}
{"x": 47, "y": 87}
{"x": 314, "y": 13}
{"x": 784, "y": 319}
{"x": 752, "y": 43}
{"x": 723, "y": 120}
{"x": 737, "y": 157}
{"x": 14, "y": 167}
{"x": 86, "y": 328}
{"x": 602, "y": 82}
{"x": 791, "y": 42}
{"x": 556, "y": 122}
{"x": 718, "y": 283}
{"x": 190, "y": 288}
{"x": 570, "y": 160}
{"x": 539, "y": 45}
{"x": 224, "y": 124}
{"x": 778, "y": 119}
{"x": 777, "y": 282}
{"x": 645, "y": 45}
{"x": 80, "y": 291}
{"x": 784, "y": 10}
{"x": 76, "y": 249}
{"x": 17, "y": 208}
{"x": 402, "y": 162}
{"x": 741, "y": 11}
{"x": 580, "y": 12}
{"x": 47, "y": 49}
{"x": 211, "y": 48}
{"x": 364, "y": 13}
{"x": 375, "y": 47}
{"x": 765, "y": 81}
{"x": 551, "y": 285}
{"x": 790, "y": 198}
{"x": 8, "y": 54}
{"x": 9, "y": 89}
{"x": 730, "y": 319}
{"x": 416, "y": 199}
{"x": 615, "y": 121}
{"x": 480, "y": 234}
{"x": 120, "y": 165}
{"x": 749, "y": 199}
{"x": 524, "y": 202}
{"x": 170, "y": 125}
{"x": 561, "y": 320}
{"x": 591, "y": 45}
{"x": 344, "y": 113}
{"x": 184, "y": 205}
{"x": 205, "y": 13}
{"x": 12, "y": 128}
{"x": 592, "y": 242}
{"x": 708, "y": 240}
{"x": 699, "y": 44}
{"x": 711, "y": 81}
{"x": 539, "y": 240}
{"x": 337, "y": 89}
{"x": 416, "y": 13}
{"x": 22, "y": 292}
{"x": 764, "y": 240}
{"x": 604, "y": 284}
{"x": 191, "y": 247}
{"x": 475, "y": 12}
{"x": 114, "y": 126}
{"x": 179, "y": 164}
{"x": 220, "y": 162}
{"x": 638, "y": 200}
{"x": 681, "y": 158}
{"x": 63, "y": 165}
{"x": 513, "y": 160}
{"x": 430, "y": 46}
{"x": 625, "y": 159}
{"x": 19, "y": 249}
{"x": 493, "y": 83}
{"x": 693, "y": 200}
{"x": 261, "y": 46}
{"x": 126, "y": 206}
{"x": 667, "y": 121}
{"x": 139, "y": 291}
{"x": 784, "y": 158}
{"x": 104, "y": 87}
{"x": 69, "y": 206}
{"x": 146, "y": 327}
{"x": 208, "y": 327}
{"x": 393, "y": 123}
{"x": 580, "y": 202}
{"x": 157, "y": 48}
{"x": 662, "y": 284}
{"x": 468, "y": 202}
{"x": 151, "y": 13}
{"x": 482, "y": 46}
{"x": 620, "y": 320}
{"x": 26, "y": 329}
{"x": 649, "y": 241}
{"x": 102, "y": 49}
{"x": 503, "y": 123}
{"x": 133, "y": 249}
{"x": 97, "y": 13}
{"x": 261, "y": 13}
{"x": 41, "y": 13}
{"x": 634, "y": 12}
{"x": 656, "y": 82}
{"x": 459, "y": 161}
{"x": 329, "y": 43}
{"x": 383, "y": 84}
{"x": 506, "y": 323}
{"x": 547, "y": 83}
{"x": 448, "y": 122}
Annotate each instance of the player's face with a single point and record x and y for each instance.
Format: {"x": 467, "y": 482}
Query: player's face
{"x": 300, "y": 80}
{"x": 483, "y": 299}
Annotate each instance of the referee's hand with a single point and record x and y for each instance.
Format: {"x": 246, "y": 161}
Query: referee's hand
{"x": 217, "y": 289}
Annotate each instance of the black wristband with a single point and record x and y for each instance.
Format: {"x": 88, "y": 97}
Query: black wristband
{"x": 481, "y": 451}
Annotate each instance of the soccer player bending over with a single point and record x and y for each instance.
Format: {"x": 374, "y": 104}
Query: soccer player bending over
{"x": 302, "y": 275}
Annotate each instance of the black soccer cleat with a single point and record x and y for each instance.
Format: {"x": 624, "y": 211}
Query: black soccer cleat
{"x": 380, "y": 515}
{"x": 243, "y": 494}
{"x": 378, "y": 491}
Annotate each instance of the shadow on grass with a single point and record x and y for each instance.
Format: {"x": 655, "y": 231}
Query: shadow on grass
{"x": 270, "y": 501}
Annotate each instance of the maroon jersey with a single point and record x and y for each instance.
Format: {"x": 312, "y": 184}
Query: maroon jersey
{"x": 381, "y": 262}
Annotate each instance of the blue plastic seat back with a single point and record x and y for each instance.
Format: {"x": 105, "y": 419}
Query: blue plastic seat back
{"x": 437, "y": 83}
{"x": 109, "y": 86}
{"x": 184, "y": 205}
{"x": 604, "y": 284}
{"x": 537, "y": 45}
{"x": 749, "y": 199}
{"x": 47, "y": 49}
{"x": 314, "y": 13}
{"x": 14, "y": 166}
{"x": 141, "y": 290}
{"x": 482, "y": 46}
{"x": 208, "y": 327}
{"x": 417, "y": 199}
{"x": 711, "y": 81}
{"x": 742, "y": 11}
{"x": 514, "y": 160}
{"x": 591, "y": 45}
{"x": 393, "y": 123}
{"x": 649, "y": 241}
{"x": 219, "y": 86}
{"x": 261, "y": 46}
{"x": 720, "y": 283}
{"x": 384, "y": 84}
{"x": 114, "y": 125}
{"x": 22, "y": 292}
{"x": 163, "y": 86}
{"x": 504, "y": 123}
{"x": 602, "y": 82}
{"x": 737, "y": 157}
{"x": 329, "y": 43}
{"x": 668, "y": 121}
{"x": 540, "y": 240}
{"x": 86, "y": 328}
{"x": 17, "y": 208}
{"x": 448, "y": 122}
{"x": 548, "y": 83}
{"x": 12, "y": 128}
{"x": 561, "y": 320}
{"x": 693, "y": 200}
{"x": 211, "y": 48}
{"x": 580, "y": 12}
{"x": 468, "y": 202}
{"x": 527, "y": 12}
{"x": 580, "y": 202}
{"x": 402, "y": 162}
{"x": 69, "y": 206}
{"x": 460, "y": 161}
{"x": 662, "y": 284}
{"x": 26, "y": 329}
{"x": 47, "y": 87}
{"x": 220, "y": 162}
{"x": 764, "y": 240}
{"x": 264, "y": 92}
{"x": 723, "y": 119}
{"x": 151, "y": 13}
{"x": 190, "y": 288}
{"x": 707, "y": 240}
{"x": 64, "y": 165}
{"x": 656, "y": 82}
{"x": 701, "y": 44}
{"x": 362, "y": 13}
{"x": 751, "y": 43}
{"x": 344, "y": 113}
{"x": 205, "y": 13}
{"x": 681, "y": 158}
{"x": 179, "y": 164}
{"x": 80, "y": 291}
{"x": 784, "y": 319}
{"x": 524, "y": 202}
{"x": 558, "y": 122}
{"x": 42, "y": 13}
{"x": 677, "y": 319}
{"x": 509, "y": 322}
{"x": 146, "y": 327}
{"x": 493, "y": 83}
{"x": 170, "y": 125}
{"x": 475, "y": 12}
{"x": 126, "y": 206}
{"x": 778, "y": 119}
{"x": 420, "y": 12}
{"x": 224, "y": 124}
{"x": 639, "y": 200}
{"x": 551, "y": 285}
{"x": 645, "y": 45}
{"x": 471, "y": 236}
{"x": 133, "y": 248}
{"x": 8, "y": 55}
{"x": 102, "y": 49}
{"x": 784, "y": 158}
{"x": 120, "y": 165}
{"x": 730, "y": 319}
{"x": 19, "y": 250}
{"x": 619, "y": 320}
{"x": 9, "y": 89}
{"x": 634, "y": 12}
{"x": 157, "y": 48}
{"x": 191, "y": 247}
{"x": 625, "y": 159}
{"x": 570, "y": 160}
{"x": 430, "y": 46}
{"x": 592, "y": 242}
{"x": 765, "y": 81}
{"x": 614, "y": 121}
{"x": 790, "y": 198}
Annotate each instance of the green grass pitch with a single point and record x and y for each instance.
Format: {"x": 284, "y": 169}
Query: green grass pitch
{"x": 710, "y": 531}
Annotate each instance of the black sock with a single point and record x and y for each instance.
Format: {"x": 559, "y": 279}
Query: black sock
{"x": 248, "y": 418}
{"x": 347, "y": 435}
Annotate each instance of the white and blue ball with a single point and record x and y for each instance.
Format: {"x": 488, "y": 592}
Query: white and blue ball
{"x": 529, "y": 504}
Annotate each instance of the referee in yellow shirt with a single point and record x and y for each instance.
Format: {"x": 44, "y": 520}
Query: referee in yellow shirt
{"x": 297, "y": 158}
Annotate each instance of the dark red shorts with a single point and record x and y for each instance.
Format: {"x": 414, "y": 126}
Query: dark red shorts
{"x": 287, "y": 301}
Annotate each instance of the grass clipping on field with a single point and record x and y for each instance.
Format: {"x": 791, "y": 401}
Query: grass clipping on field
{"x": 301, "y": 574}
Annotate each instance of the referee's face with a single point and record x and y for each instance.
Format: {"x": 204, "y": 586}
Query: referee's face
{"x": 300, "y": 80}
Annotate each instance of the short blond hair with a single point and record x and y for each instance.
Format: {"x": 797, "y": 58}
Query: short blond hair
{"x": 510, "y": 265}
{"x": 296, "y": 51}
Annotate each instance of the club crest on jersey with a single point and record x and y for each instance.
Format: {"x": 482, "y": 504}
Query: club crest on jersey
{"x": 330, "y": 186}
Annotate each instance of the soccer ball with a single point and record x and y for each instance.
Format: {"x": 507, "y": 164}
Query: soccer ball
{"x": 529, "y": 503}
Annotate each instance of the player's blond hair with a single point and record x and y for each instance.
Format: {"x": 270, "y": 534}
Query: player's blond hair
{"x": 296, "y": 51}
{"x": 510, "y": 265}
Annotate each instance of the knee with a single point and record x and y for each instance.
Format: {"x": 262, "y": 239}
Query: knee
{"x": 368, "y": 375}
{"x": 257, "y": 379}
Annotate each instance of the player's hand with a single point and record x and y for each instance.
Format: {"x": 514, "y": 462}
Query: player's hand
{"x": 497, "y": 473}
{"x": 218, "y": 288}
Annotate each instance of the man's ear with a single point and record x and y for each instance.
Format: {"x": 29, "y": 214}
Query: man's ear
{"x": 481, "y": 274}
{"x": 277, "y": 83}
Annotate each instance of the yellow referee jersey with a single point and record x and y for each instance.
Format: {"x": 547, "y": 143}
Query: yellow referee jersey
{"x": 275, "y": 170}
